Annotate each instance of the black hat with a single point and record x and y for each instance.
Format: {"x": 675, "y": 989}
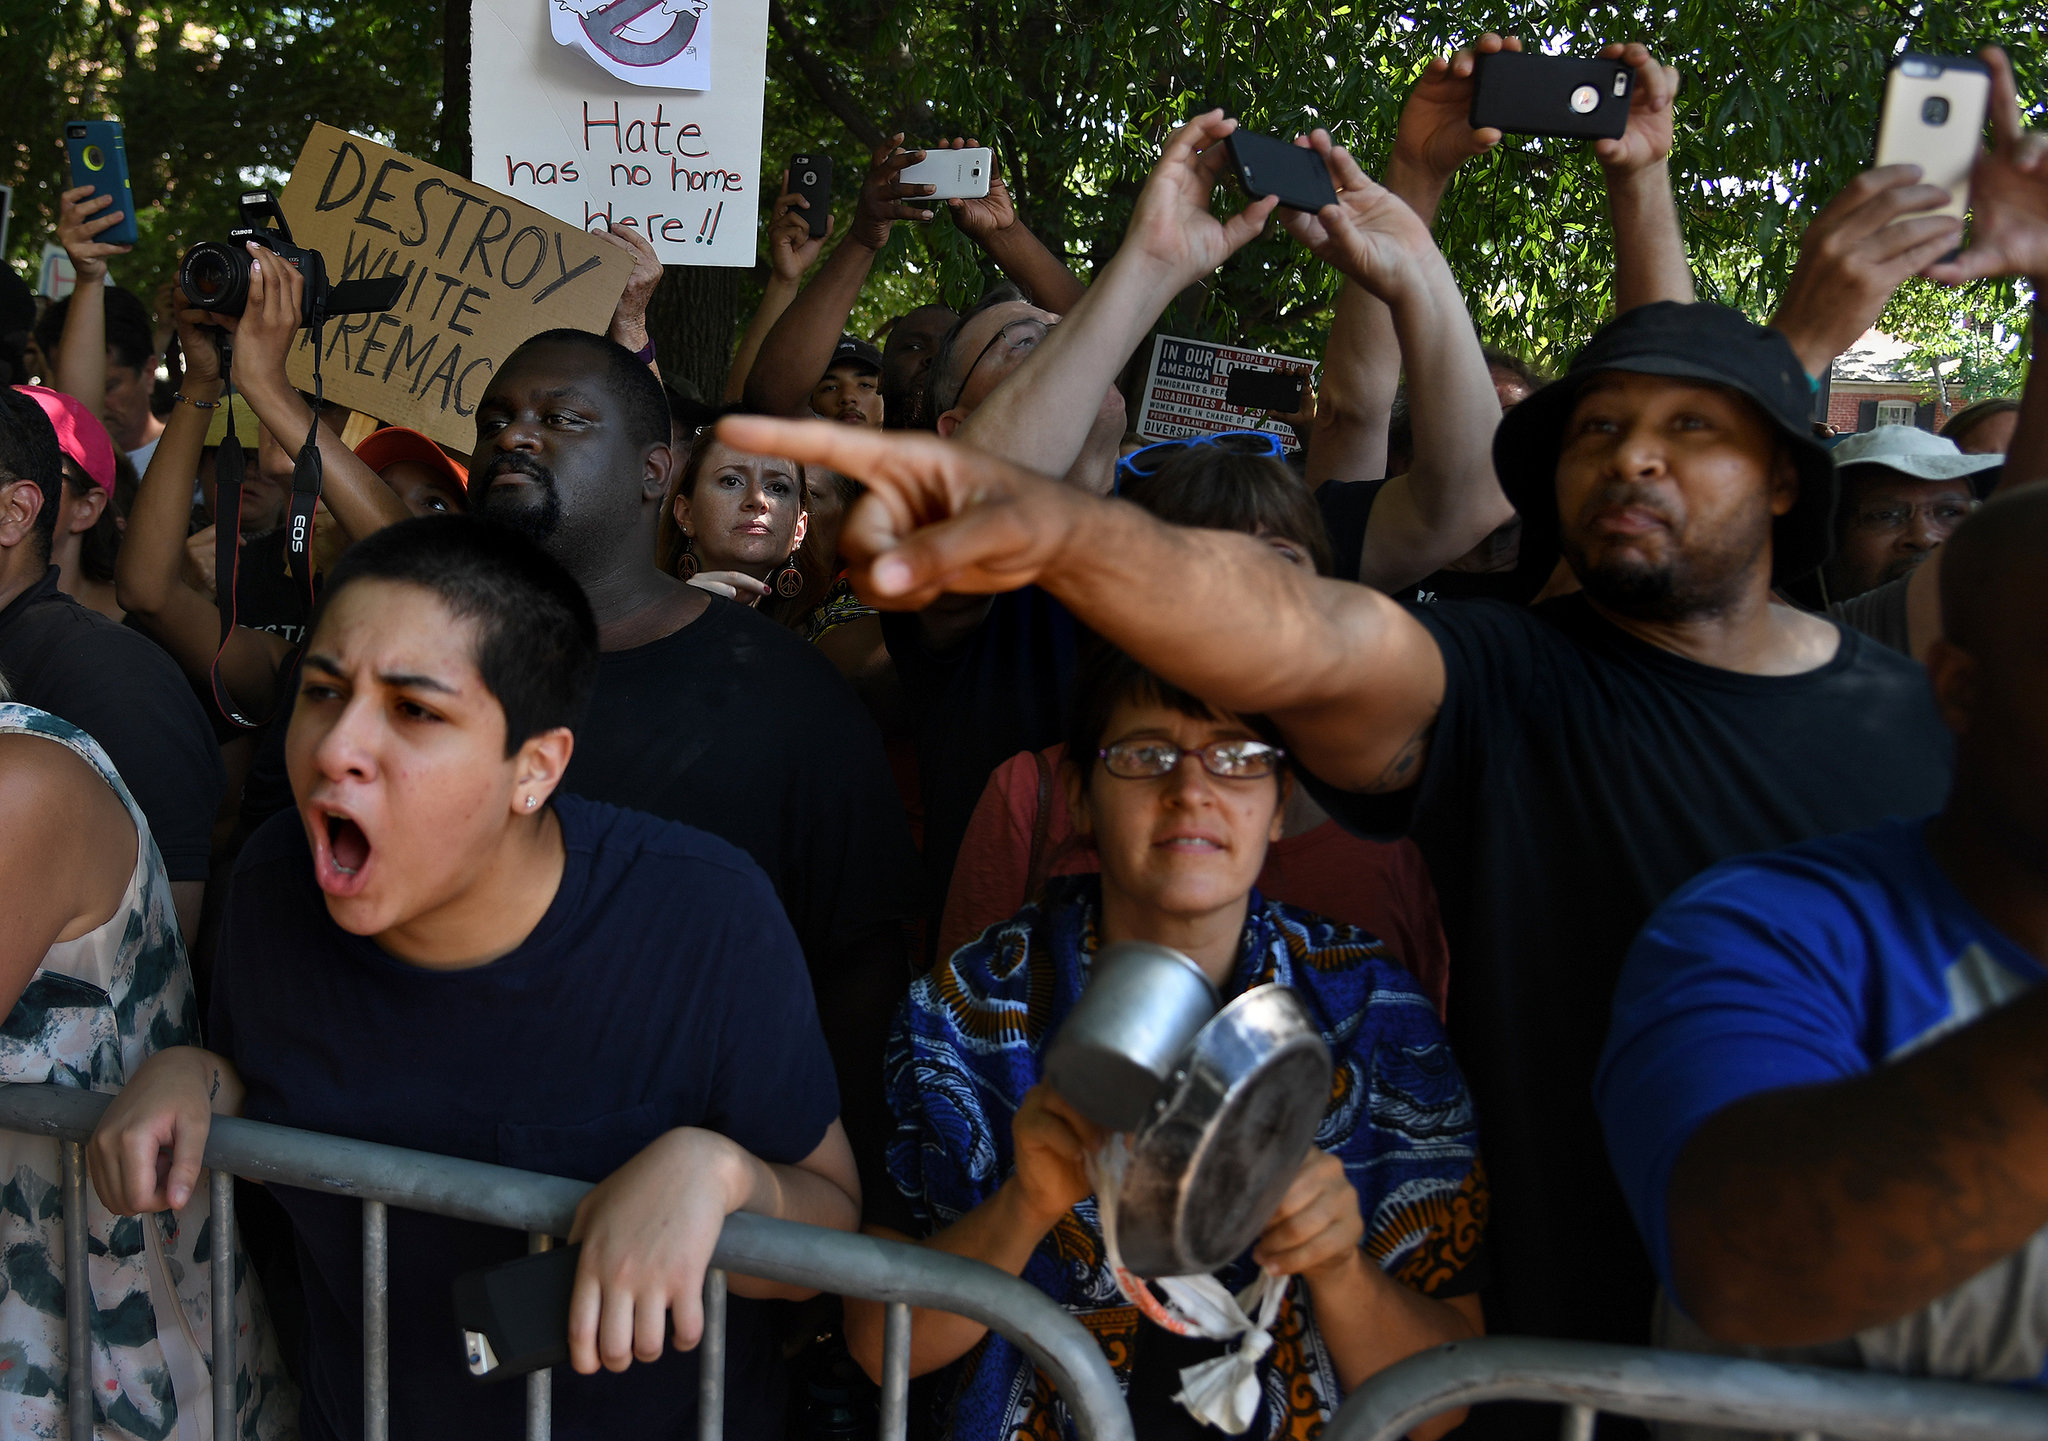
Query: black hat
{"x": 1709, "y": 343}
{"x": 852, "y": 350}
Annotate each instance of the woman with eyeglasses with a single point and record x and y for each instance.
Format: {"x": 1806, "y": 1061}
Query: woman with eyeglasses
{"x": 1382, "y": 1226}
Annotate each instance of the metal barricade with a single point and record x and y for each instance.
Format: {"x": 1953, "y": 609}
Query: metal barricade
{"x": 1586, "y": 1379}
{"x": 901, "y": 1275}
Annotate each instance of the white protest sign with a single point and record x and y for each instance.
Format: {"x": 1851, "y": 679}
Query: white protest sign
{"x": 1184, "y": 388}
{"x": 549, "y": 126}
{"x": 482, "y": 274}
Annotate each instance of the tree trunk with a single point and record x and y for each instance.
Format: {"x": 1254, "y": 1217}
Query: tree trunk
{"x": 455, "y": 87}
{"x": 692, "y": 318}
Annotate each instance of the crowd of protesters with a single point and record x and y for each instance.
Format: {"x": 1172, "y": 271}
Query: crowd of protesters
{"x": 1645, "y": 791}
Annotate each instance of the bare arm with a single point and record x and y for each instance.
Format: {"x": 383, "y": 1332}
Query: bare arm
{"x": 1362, "y": 361}
{"x": 647, "y": 1231}
{"x": 145, "y": 1153}
{"x": 1449, "y": 500}
{"x": 81, "y": 357}
{"x": 67, "y": 848}
{"x": 799, "y": 347}
{"x": 149, "y": 572}
{"x": 1352, "y": 680}
{"x": 1649, "y": 249}
{"x": 629, "y": 316}
{"x": 791, "y": 251}
{"x": 1800, "y": 1216}
{"x": 991, "y": 222}
{"x": 1040, "y": 415}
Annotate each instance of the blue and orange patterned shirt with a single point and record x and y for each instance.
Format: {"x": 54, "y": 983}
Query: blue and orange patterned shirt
{"x": 968, "y": 1043}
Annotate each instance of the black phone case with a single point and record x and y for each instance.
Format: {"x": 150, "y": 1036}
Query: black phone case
{"x": 811, "y": 177}
{"x": 1268, "y": 166}
{"x": 1279, "y": 390}
{"x": 522, "y": 1306}
{"x": 1533, "y": 95}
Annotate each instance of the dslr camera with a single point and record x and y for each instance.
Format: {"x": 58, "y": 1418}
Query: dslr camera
{"x": 214, "y": 274}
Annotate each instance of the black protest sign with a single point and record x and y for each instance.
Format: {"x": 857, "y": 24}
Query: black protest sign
{"x": 483, "y": 273}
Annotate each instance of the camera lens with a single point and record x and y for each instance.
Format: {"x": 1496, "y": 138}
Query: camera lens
{"x": 1585, "y": 100}
{"x": 95, "y": 158}
{"x": 1934, "y": 110}
{"x": 215, "y": 277}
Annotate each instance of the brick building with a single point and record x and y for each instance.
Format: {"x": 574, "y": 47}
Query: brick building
{"x": 1874, "y": 383}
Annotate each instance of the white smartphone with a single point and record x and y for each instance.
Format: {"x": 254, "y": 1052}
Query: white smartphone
{"x": 1934, "y": 109}
{"x": 955, "y": 174}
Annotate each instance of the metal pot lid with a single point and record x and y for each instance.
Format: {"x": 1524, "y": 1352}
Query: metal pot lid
{"x": 1208, "y": 1169}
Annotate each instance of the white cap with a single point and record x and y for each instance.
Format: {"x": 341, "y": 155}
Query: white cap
{"x": 1911, "y": 451}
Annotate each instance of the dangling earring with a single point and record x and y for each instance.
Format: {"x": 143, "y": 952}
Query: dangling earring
{"x": 789, "y": 581}
{"x": 688, "y": 564}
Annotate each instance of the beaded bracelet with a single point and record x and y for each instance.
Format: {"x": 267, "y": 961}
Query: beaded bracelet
{"x": 195, "y": 404}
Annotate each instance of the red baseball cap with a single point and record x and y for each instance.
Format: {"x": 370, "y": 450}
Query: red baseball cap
{"x": 79, "y": 434}
{"x": 395, "y": 443}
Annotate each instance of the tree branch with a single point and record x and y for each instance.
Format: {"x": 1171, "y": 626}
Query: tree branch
{"x": 823, "y": 82}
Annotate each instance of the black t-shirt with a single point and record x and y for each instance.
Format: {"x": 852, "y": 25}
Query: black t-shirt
{"x": 1347, "y": 506}
{"x": 124, "y": 691}
{"x": 1576, "y": 777}
{"x": 662, "y": 988}
{"x": 1004, "y": 690}
{"x": 734, "y": 725}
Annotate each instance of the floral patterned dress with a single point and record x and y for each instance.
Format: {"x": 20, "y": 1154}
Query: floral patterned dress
{"x": 96, "y": 1008}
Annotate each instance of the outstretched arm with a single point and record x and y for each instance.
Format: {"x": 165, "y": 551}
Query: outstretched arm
{"x": 1449, "y": 500}
{"x": 149, "y": 573}
{"x": 1041, "y": 414}
{"x": 1649, "y": 250}
{"x": 991, "y": 222}
{"x": 81, "y": 357}
{"x": 629, "y": 316}
{"x": 1362, "y": 360}
{"x": 1352, "y": 680}
{"x": 791, "y": 250}
{"x": 799, "y": 348}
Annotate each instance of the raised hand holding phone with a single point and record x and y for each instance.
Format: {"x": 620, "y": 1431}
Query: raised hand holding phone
{"x": 82, "y": 217}
{"x": 2009, "y": 193}
{"x": 1435, "y": 134}
{"x": 1172, "y": 223}
{"x": 1647, "y": 137}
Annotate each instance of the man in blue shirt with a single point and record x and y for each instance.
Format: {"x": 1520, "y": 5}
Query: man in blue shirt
{"x": 438, "y": 948}
{"x": 1826, "y": 1090}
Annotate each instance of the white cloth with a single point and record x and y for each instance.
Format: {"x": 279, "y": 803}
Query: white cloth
{"x": 1222, "y": 1392}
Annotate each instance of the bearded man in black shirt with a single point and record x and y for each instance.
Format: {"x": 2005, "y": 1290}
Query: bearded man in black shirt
{"x": 705, "y": 711}
{"x": 1563, "y": 767}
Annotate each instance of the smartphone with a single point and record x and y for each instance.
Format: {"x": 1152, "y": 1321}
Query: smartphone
{"x": 515, "y": 1317}
{"x": 1551, "y": 95}
{"x": 99, "y": 159}
{"x": 811, "y": 177}
{"x": 1933, "y": 117}
{"x": 1267, "y": 165}
{"x": 955, "y": 174}
{"x": 1279, "y": 390}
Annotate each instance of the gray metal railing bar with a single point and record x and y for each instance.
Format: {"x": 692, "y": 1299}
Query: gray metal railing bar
{"x": 221, "y": 1216}
{"x": 895, "y": 1418}
{"x": 540, "y": 1385}
{"x": 77, "y": 1289}
{"x": 1577, "y": 1424}
{"x": 376, "y": 1322}
{"x": 1682, "y": 1386}
{"x": 711, "y": 1360}
{"x": 834, "y": 1261}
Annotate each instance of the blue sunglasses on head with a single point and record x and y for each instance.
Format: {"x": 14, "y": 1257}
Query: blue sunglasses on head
{"x": 1148, "y": 459}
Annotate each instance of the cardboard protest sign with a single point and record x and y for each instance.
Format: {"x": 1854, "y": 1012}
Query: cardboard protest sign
{"x": 555, "y": 124}
{"x": 483, "y": 274}
{"x": 1184, "y": 389}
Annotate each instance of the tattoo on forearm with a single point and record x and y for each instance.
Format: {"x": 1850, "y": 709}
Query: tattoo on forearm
{"x": 1401, "y": 769}
{"x": 213, "y": 1090}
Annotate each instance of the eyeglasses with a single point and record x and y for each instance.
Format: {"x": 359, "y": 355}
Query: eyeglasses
{"x": 1947, "y": 511}
{"x": 1019, "y": 338}
{"x": 1226, "y": 760}
{"x": 1148, "y": 459}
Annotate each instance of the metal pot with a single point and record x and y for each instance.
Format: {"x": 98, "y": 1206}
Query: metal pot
{"x": 1210, "y": 1166}
{"x": 1122, "y": 1042}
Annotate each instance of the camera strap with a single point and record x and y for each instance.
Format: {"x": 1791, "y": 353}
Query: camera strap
{"x": 230, "y": 469}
